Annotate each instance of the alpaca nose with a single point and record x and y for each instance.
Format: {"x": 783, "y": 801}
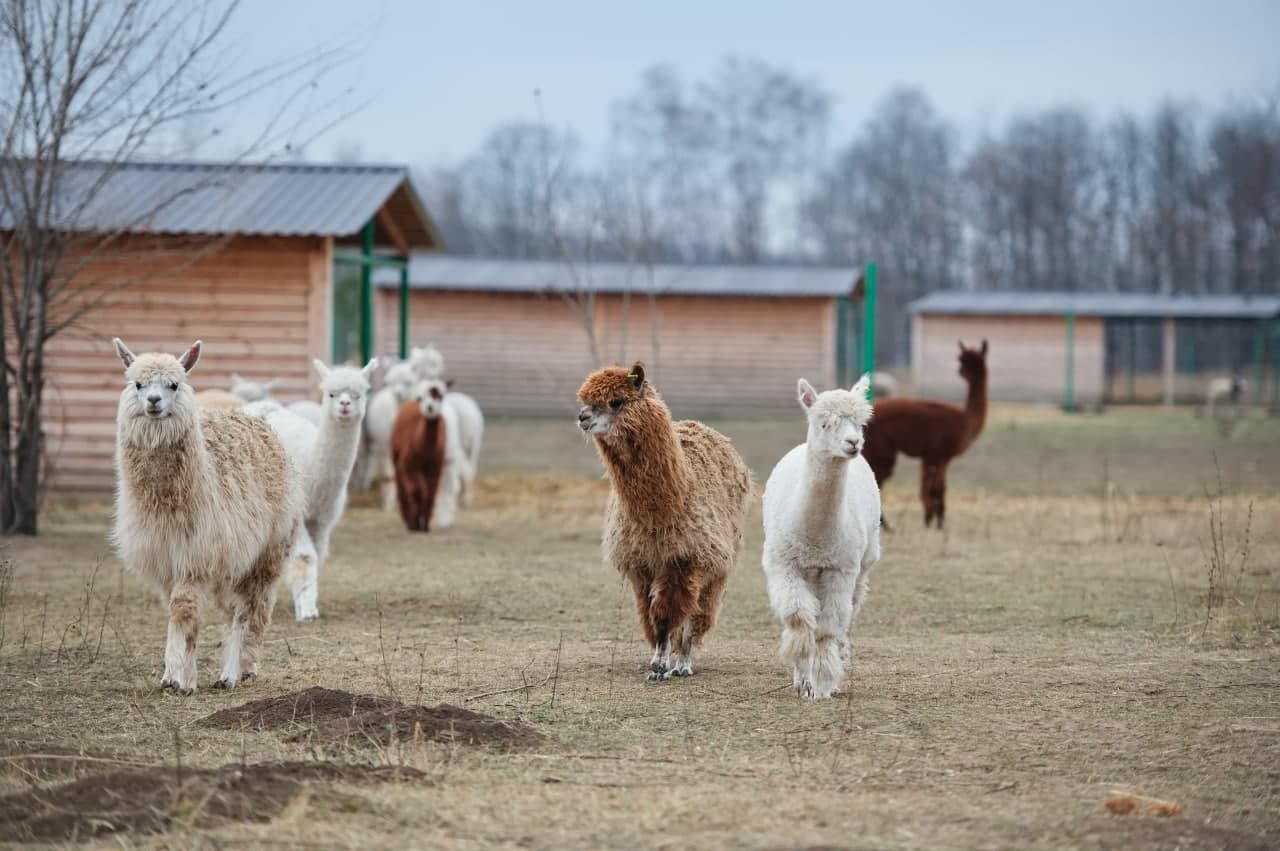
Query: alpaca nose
{"x": 853, "y": 447}
{"x": 584, "y": 418}
{"x": 153, "y": 399}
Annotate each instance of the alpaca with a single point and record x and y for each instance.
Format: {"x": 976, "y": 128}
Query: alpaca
{"x": 822, "y": 537}
{"x": 465, "y": 414}
{"x": 427, "y": 362}
{"x": 883, "y": 385}
{"x": 420, "y": 449}
{"x": 215, "y": 399}
{"x": 677, "y": 505}
{"x": 252, "y": 391}
{"x": 310, "y": 411}
{"x": 207, "y": 507}
{"x": 934, "y": 432}
{"x": 1230, "y": 389}
{"x": 323, "y": 456}
{"x": 384, "y": 406}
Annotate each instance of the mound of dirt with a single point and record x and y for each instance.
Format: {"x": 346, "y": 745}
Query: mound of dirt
{"x": 305, "y": 708}
{"x": 151, "y": 801}
{"x": 43, "y": 762}
{"x": 322, "y": 716}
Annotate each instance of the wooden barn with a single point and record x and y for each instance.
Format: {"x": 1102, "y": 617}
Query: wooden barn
{"x": 241, "y": 256}
{"x": 717, "y": 340}
{"x": 1087, "y": 349}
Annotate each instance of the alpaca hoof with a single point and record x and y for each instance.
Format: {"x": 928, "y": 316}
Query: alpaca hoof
{"x": 805, "y": 689}
{"x": 176, "y": 687}
{"x": 657, "y": 672}
{"x": 307, "y": 617}
{"x": 224, "y": 684}
{"x": 685, "y": 670}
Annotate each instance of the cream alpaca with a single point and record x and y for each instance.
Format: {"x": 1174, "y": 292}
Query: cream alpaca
{"x": 252, "y": 391}
{"x": 324, "y": 456}
{"x": 397, "y": 389}
{"x": 821, "y": 537}
{"x": 466, "y": 422}
{"x": 673, "y": 524}
{"x": 207, "y": 508}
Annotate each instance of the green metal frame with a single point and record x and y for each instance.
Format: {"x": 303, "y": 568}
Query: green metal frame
{"x": 852, "y": 359}
{"x": 1259, "y": 360}
{"x": 367, "y": 259}
{"x": 1069, "y": 388}
{"x": 869, "y": 325}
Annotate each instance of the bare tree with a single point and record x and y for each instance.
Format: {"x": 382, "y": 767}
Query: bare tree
{"x": 99, "y": 82}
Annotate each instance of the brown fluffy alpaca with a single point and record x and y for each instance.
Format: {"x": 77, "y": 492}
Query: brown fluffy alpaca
{"x": 934, "y": 432}
{"x": 417, "y": 454}
{"x": 673, "y": 525}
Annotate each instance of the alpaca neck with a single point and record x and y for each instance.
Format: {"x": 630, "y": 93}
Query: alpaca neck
{"x": 332, "y": 456}
{"x": 649, "y": 472}
{"x": 975, "y": 409}
{"x": 160, "y": 458}
{"x": 822, "y": 497}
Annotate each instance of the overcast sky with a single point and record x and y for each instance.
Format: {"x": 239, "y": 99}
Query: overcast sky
{"x": 437, "y": 76}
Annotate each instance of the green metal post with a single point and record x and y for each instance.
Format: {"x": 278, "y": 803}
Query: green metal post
{"x": 1069, "y": 390}
{"x": 1275, "y": 366}
{"x": 404, "y": 311}
{"x": 1259, "y": 343}
{"x": 366, "y": 295}
{"x": 1133, "y": 360}
{"x": 869, "y": 324}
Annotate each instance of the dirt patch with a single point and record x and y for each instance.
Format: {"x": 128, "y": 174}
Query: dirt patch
{"x": 1116, "y": 833}
{"x": 154, "y": 800}
{"x": 39, "y": 763}
{"x": 331, "y": 717}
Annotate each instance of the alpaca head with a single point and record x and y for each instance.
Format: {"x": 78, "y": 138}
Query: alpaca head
{"x": 427, "y": 361}
{"x": 430, "y": 395}
{"x": 400, "y": 379}
{"x": 616, "y": 401}
{"x": 156, "y": 386}
{"x": 252, "y": 391}
{"x": 836, "y": 418}
{"x": 344, "y": 390}
{"x": 973, "y": 362}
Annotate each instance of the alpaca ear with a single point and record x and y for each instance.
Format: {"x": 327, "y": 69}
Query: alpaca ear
{"x": 192, "y": 357}
{"x": 863, "y": 384}
{"x": 637, "y": 375}
{"x": 122, "y": 351}
{"x": 984, "y": 347}
{"x": 448, "y": 383}
{"x": 369, "y": 368}
{"x": 320, "y": 367}
{"x": 806, "y": 394}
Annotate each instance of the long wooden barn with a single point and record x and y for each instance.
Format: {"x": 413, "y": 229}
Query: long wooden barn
{"x": 717, "y": 340}
{"x": 240, "y": 256}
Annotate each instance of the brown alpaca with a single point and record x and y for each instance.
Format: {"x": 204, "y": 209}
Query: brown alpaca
{"x": 673, "y": 524}
{"x": 418, "y": 455}
{"x": 934, "y": 432}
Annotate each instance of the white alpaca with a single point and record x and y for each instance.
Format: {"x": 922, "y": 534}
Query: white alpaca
{"x": 324, "y": 456}
{"x": 883, "y": 385}
{"x": 822, "y": 537}
{"x": 252, "y": 391}
{"x": 427, "y": 362}
{"x": 1220, "y": 389}
{"x": 308, "y": 410}
{"x": 466, "y": 419}
{"x": 431, "y": 396}
{"x": 397, "y": 389}
{"x": 207, "y": 508}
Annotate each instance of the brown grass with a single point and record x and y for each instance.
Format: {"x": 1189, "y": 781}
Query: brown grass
{"x": 1008, "y": 674}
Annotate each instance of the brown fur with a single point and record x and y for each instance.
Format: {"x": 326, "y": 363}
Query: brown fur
{"x": 417, "y": 454}
{"x": 674, "y": 521}
{"x": 934, "y": 432}
{"x": 219, "y": 399}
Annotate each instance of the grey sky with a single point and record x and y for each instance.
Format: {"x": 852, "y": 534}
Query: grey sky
{"x": 438, "y": 76}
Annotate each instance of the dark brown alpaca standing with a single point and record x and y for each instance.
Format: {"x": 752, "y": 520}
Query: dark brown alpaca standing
{"x": 934, "y": 432}
{"x": 417, "y": 454}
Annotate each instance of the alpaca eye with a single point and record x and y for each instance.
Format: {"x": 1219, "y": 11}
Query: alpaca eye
{"x": 138, "y": 384}
{"x": 615, "y": 403}
{"x": 173, "y": 385}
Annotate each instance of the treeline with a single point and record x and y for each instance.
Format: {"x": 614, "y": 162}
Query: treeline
{"x": 740, "y": 168}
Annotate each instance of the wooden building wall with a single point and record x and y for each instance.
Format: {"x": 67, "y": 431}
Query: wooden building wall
{"x": 526, "y": 354}
{"x": 261, "y": 306}
{"x": 1026, "y": 363}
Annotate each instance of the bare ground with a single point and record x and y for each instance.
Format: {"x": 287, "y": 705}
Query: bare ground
{"x": 1061, "y": 640}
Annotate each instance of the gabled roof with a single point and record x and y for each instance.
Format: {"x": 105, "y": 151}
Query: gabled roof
{"x": 1115, "y": 305}
{"x": 237, "y": 198}
{"x": 443, "y": 272}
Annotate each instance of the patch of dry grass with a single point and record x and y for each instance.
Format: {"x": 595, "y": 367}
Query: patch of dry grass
{"x": 1050, "y": 647}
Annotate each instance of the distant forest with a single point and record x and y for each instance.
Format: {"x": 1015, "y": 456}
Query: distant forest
{"x": 741, "y": 167}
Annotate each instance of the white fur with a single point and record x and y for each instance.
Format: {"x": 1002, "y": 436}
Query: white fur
{"x": 427, "y": 362}
{"x": 468, "y": 420}
{"x": 252, "y": 391}
{"x": 822, "y": 537}
{"x": 198, "y": 534}
{"x": 883, "y": 385}
{"x": 397, "y": 389}
{"x": 323, "y": 455}
{"x": 1229, "y": 389}
{"x": 457, "y": 468}
{"x": 308, "y": 410}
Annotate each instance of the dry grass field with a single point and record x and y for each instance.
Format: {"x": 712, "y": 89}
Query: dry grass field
{"x": 1102, "y": 613}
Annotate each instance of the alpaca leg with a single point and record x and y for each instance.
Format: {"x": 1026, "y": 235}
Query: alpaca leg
{"x": 257, "y": 616}
{"x": 796, "y": 607}
{"x": 180, "y": 645}
{"x": 699, "y": 624}
{"x": 673, "y": 598}
{"x": 445, "y": 498}
{"x": 932, "y": 478}
{"x": 939, "y": 493}
{"x": 304, "y": 566}
{"x": 835, "y": 591}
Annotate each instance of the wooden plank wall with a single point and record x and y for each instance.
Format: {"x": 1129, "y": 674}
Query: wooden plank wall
{"x": 526, "y": 354}
{"x": 1027, "y": 360}
{"x": 256, "y": 304}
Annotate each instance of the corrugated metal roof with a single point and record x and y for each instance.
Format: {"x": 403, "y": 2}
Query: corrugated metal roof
{"x": 235, "y": 198}
{"x": 1128, "y": 305}
{"x": 442, "y": 272}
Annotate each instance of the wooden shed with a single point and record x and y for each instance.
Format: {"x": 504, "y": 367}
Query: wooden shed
{"x": 717, "y": 340}
{"x": 240, "y": 256}
{"x": 1086, "y": 349}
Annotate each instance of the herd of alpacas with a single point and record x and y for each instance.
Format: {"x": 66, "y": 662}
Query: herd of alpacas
{"x": 223, "y": 494}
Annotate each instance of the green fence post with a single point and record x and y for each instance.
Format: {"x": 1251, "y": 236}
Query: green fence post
{"x": 404, "y": 310}
{"x": 1259, "y": 342}
{"x": 869, "y": 325}
{"x": 1069, "y": 390}
{"x": 366, "y": 295}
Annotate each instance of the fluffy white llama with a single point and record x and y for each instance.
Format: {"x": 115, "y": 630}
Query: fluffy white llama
{"x": 1230, "y": 389}
{"x": 883, "y": 384}
{"x": 323, "y": 455}
{"x": 427, "y": 362}
{"x": 466, "y": 420}
{"x": 398, "y": 384}
{"x": 431, "y": 396}
{"x": 207, "y": 508}
{"x": 308, "y": 410}
{"x": 252, "y": 391}
{"x": 822, "y": 537}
